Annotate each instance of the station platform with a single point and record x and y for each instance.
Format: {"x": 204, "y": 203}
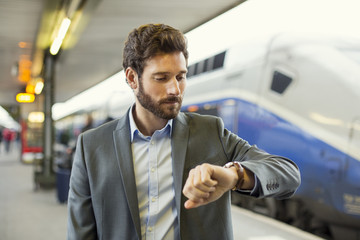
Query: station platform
{"x": 37, "y": 215}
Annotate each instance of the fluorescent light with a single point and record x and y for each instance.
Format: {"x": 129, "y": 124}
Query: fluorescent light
{"x": 39, "y": 87}
{"x": 25, "y": 97}
{"x": 36, "y": 117}
{"x": 7, "y": 121}
{"x": 65, "y": 24}
{"x": 55, "y": 46}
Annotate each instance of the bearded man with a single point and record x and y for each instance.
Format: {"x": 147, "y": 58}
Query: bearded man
{"x": 158, "y": 173}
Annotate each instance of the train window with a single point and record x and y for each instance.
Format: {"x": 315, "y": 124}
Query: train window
{"x": 206, "y": 65}
{"x": 219, "y": 60}
{"x": 280, "y": 82}
{"x": 209, "y": 63}
{"x": 191, "y": 71}
{"x": 200, "y": 67}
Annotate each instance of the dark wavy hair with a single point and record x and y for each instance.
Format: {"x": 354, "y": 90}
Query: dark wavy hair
{"x": 149, "y": 40}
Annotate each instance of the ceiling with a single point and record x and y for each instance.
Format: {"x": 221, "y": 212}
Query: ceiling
{"x": 94, "y": 50}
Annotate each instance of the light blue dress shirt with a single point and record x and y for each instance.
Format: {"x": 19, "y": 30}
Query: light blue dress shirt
{"x": 154, "y": 182}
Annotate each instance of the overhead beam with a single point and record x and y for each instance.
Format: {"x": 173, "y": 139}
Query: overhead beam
{"x": 222, "y": 11}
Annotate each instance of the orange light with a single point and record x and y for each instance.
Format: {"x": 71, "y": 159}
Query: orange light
{"x": 25, "y": 97}
{"x": 23, "y": 44}
{"x": 30, "y": 88}
{"x": 24, "y": 68}
{"x": 193, "y": 108}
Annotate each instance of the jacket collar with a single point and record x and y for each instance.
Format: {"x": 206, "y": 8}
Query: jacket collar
{"x": 122, "y": 143}
{"x": 121, "y": 138}
{"x": 179, "y": 143}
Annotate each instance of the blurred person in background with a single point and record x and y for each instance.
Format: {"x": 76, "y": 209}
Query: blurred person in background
{"x": 1, "y": 137}
{"x": 89, "y": 123}
{"x": 8, "y": 137}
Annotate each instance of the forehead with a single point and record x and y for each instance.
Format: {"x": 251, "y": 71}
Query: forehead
{"x": 166, "y": 62}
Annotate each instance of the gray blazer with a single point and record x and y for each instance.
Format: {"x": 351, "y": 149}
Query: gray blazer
{"x": 103, "y": 200}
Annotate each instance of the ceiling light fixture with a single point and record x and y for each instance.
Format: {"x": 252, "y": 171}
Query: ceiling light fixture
{"x": 55, "y": 46}
{"x": 39, "y": 87}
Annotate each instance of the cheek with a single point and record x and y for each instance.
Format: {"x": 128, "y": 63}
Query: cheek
{"x": 182, "y": 86}
{"x": 154, "y": 90}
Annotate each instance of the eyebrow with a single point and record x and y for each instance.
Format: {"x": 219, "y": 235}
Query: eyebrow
{"x": 162, "y": 73}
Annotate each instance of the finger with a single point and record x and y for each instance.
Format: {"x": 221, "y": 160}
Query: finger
{"x": 206, "y": 175}
{"x": 201, "y": 182}
{"x": 191, "y": 191}
{"x": 189, "y": 186}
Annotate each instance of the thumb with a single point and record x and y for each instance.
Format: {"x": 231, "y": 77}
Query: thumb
{"x": 191, "y": 204}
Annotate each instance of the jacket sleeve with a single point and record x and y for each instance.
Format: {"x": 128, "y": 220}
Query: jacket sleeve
{"x": 81, "y": 220}
{"x": 277, "y": 176}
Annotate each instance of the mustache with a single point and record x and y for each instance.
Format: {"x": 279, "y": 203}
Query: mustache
{"x": 171, "y": 99}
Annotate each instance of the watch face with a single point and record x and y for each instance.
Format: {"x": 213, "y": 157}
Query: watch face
{"x": 229, "y": 164}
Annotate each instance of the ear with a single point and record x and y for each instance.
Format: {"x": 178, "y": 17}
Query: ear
{"x": 131, "y": 78}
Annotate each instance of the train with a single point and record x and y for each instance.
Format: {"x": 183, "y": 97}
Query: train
{"x": 291, "y": 95}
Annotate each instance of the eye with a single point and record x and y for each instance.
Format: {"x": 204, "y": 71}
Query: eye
{"x": 161, "y": 77}
{"x": 181, "y": 77}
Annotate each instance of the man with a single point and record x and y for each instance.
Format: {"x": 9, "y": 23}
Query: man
{"x": 158, "y": 173}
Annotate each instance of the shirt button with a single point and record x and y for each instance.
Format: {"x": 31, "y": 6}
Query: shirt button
{"x": 153, "y": 199}
{"x": 152, "y": 169}
{"x": 150, "y": 229}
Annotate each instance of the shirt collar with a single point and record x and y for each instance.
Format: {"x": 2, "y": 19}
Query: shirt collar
{"x": 135, "y": 131}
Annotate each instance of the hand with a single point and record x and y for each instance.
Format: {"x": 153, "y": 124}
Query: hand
{"x": 207, "y": 183}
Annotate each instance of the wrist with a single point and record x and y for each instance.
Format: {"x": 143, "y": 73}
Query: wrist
{"x": 239, "y": 179}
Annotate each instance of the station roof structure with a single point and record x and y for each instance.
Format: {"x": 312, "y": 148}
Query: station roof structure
{"x": 92, "y": 48}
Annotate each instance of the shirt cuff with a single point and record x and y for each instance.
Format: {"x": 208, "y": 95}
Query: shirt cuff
{"x": 254, "y": 191}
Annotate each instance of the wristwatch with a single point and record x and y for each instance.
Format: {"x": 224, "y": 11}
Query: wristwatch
{"x": 240, "y": 172}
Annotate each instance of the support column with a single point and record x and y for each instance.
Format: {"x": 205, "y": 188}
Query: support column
{"x": 47, "y": 176}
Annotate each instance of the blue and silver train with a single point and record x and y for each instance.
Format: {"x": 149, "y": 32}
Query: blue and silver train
{"x": 296, "y": 97}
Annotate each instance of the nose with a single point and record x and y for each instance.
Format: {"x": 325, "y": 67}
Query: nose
{"x": 174, "y": 87}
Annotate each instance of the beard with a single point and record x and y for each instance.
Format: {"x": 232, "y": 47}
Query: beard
{"x": 161, "y": 108}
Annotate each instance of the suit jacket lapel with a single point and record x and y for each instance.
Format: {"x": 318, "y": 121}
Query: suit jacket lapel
{"x": 180, "y": 136}
{"x": 122, "y": 145}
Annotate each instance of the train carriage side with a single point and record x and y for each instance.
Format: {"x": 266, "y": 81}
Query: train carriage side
{"x": 303, "y": 98}
{"x": 321, "y": 100}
